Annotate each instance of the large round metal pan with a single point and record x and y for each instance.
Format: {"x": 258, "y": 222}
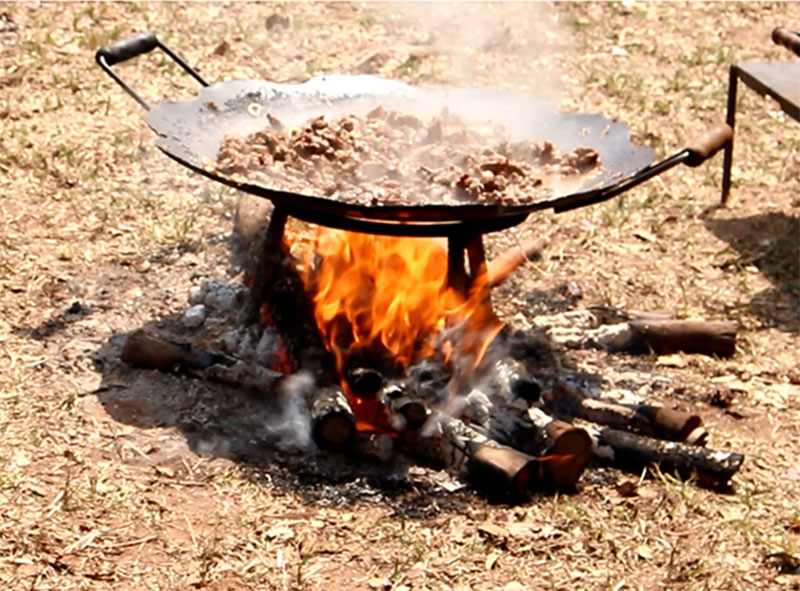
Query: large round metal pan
{"x": 190, "y": 132}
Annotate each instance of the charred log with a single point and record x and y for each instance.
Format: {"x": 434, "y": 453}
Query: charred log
{"x": 292, "y": 310}
{"x": 365, "y": 382}
{"x": 413, "y": 411}
{"x": 375, "y": 447}
{"x": 563, "y": 449}
{"x": 499, "y": 470}
{"x": 635, "y": 452}
{"x": 690, "y": 336}
{"x": 333, "y": 424}
{"x": 152, "y": 352}
{"x": 566, "y": 448}
{"x": 649, "y": 420}
{"x": 511, "y": 381}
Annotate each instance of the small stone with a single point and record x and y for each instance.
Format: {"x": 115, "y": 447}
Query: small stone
{"x": 276, "y": 20}
{"x": 194, "y": 316}
{"x": 196, "y": 294}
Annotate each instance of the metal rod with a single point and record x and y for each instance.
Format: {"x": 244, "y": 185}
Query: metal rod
{"x": 730, "y": 119}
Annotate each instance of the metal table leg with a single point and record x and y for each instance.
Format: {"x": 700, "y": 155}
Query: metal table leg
{"x": 727, "y": 162}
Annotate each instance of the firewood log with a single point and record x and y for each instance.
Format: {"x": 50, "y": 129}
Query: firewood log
{"x": 635, "y": 452}
{"x": 690, "y": 336}
{"x": 650, "y": 420}
{"x": 413, "y": 411}
{"x": 511, "y": 380}
{"x": 333, "y": 424}
{"x": 564, "y": 450}
{"x": 292, "y": 310}
{"x": 494, "y": 468}
{"x": 151, "y": 352}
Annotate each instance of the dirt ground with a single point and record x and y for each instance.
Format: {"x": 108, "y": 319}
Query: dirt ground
{"x": 104, "y": 485}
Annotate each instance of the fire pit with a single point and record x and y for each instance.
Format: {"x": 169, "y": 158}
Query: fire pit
{"x": 451, "y": 389}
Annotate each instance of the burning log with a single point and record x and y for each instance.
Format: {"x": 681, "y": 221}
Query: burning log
{"x": 333, "y": 424}
{"x": 635, "y": 452}
{"x": 566, "y": 448}
{"x": 497, "y": 469}
{"x": 649, "y": 420}
{"x": 365, "y": 382}
{"x": 563, "y": 449}
{"x": 293, "y": 313}
{"x": 413, "y": 411}
{"x": 500, "y": 267}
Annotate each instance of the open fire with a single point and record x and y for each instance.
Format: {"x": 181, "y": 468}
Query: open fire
{"x": 383, "y": 302}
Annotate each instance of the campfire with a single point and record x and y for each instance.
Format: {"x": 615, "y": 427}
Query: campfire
{"x": 398, "y": 361}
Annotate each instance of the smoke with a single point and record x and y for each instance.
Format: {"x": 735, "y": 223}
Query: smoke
{"x": 505, "y": 44}
{"x": 291, "y": 425}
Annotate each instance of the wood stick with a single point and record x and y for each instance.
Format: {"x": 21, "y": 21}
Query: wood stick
{"x": 503, "y": 265}
{"x": 714, "y": 468}
{"x": 690, "y": 336}
{"x": 151, "y": 352}
{"x": 601, "y": 411}
{"x": 500, "y": 267}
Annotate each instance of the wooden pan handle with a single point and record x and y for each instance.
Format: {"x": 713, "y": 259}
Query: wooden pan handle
{"x": 789, "y": 39}
{"x": 708, "y": 144}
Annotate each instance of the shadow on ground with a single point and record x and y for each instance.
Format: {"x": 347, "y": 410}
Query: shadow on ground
{"x": 770, "y": 242}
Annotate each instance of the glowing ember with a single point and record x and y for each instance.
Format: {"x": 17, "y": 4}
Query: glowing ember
{"x": 384, "y": 302}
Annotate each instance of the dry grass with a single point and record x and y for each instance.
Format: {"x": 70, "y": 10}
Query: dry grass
{"x": 91, "y": 212}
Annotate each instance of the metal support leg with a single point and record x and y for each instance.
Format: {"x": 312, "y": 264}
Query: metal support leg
{"x": 456, "y": 273}
{"x": 271, "y": 252}
{"x": 727, "y": 162}
{"x": 477, "y": 267}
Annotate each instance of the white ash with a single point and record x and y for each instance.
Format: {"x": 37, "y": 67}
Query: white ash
{"x": 268, "y": 349}
{"x": 240, "y": 342}
{"x": 194, "y": 316}
{"x": 613, "y": 337}
{"x": 220, "y": 297}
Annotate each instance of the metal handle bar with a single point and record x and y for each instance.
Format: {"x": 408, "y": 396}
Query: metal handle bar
{"x": 125, "y": 49}
{"x": 700, "y": 150}
{"x": 789, "y": 39}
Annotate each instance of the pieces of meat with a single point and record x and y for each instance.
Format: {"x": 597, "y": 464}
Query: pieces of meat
{"x": 393, "y": 158}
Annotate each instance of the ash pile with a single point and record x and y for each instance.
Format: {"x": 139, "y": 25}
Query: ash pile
{"x": 493, "y": 407}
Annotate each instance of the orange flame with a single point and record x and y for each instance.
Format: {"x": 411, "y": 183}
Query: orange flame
{"x": 386, "y": 300}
